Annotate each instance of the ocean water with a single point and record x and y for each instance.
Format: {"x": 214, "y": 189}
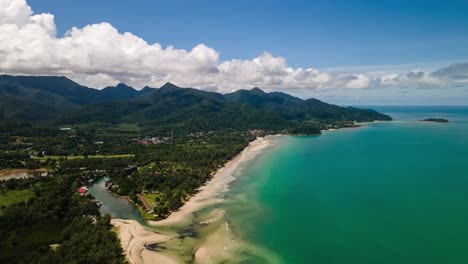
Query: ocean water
{"x": 389, "y": 192}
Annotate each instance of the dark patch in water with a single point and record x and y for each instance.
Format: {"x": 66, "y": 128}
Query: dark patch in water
{"x": 155, "y": 247}
{"x": 189, "y": 232}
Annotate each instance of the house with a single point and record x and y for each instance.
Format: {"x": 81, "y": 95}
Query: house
{"x": 83, "y": 190}
{"x": 145, "y": 203}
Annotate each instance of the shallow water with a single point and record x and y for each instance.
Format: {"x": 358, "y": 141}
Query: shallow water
{"x": 391, "y": 192}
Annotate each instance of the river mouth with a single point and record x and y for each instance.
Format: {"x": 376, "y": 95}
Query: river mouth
{"x": 200, "y": 231}
{"x": 115, "y": 206}
{"x": 204, "y": 231}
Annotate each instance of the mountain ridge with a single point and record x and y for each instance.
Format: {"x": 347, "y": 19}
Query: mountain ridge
{"x": 61, "y": 101}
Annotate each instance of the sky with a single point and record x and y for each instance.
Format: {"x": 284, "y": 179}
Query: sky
{"x": 344, "y": 52}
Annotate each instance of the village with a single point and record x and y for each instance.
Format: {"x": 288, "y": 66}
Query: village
{"x": 146, "y": 201}
{"x": 88, "y": 178}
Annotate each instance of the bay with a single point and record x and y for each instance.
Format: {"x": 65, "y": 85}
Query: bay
{"x": 394, "y": 192}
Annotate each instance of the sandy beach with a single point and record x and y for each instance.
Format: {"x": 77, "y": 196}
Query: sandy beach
{"x": 135, "y": 238}
{"x": 210, "y": 193}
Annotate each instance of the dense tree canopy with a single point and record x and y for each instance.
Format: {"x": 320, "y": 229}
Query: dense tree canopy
{"x": 55, "y": 215}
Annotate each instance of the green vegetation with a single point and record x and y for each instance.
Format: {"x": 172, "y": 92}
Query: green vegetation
{"x": 43, "y": 98}
{"x": 166, "y": 171}
{"x": 44, "y": 158}
{"x": 56, "y": 214}
{"x": 305, "y": 129}
{"x": 436, "y": 120}
{"x": 159, "y": 144}
{"x": 10, "y": 197}
{"x": 171, "y": 168}
{"x": 168, "y": 174}
{"x": 186, "y": 110}
{"x": 88, "y": 241}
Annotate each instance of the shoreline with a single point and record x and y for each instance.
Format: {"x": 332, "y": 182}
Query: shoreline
{"x": 207, "y": 194}
{"x": 135, "y": 238}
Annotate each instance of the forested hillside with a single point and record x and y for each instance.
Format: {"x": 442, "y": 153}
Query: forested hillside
{"x": 60, "y": 101}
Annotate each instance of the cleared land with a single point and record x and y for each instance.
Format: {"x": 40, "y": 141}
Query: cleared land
{"x": 11, "y": 197}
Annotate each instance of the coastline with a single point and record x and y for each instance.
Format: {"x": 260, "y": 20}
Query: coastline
{"x": 208, "y": 193}
{"x": 135, "y": 239}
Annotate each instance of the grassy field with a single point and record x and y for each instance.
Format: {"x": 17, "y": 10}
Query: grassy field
{"x": 90, "y": 157}
{"x": 14, "y": 196}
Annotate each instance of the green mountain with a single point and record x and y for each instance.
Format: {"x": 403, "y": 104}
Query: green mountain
{"x": 121, "y": 91}
{"x": 33, "y": 99}
{"x": 39, "y": 98}
{"x": 293, "y": 108}
{"x": 62, "y": 101}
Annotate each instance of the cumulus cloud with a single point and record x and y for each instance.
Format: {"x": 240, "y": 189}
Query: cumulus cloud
{"x": 99, "y": 55}
{"x": 269, "y": 72}
{"x": 359, "y": 81}
{"x": 98, "y": 52}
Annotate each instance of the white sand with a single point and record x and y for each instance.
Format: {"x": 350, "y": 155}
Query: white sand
{"x": 134, "y": 237}
{"x": 209, "y": 193}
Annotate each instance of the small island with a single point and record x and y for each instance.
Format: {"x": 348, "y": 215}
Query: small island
{"x": 436, "y": 120}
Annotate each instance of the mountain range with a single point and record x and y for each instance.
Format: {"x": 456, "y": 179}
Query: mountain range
{"x": 59, "y": 100}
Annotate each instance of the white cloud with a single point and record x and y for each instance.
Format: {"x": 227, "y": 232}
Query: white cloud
{"x": 14, "y": 12}
{"x": 268, "y": 72}
{"x": 29, "y": 45}
{"x": 99, "y": 55}
{"x": 360, "y": 81}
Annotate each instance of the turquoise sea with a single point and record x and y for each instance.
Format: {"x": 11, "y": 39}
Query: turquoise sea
{"x": 387, "y": 192}
{"x": 393, "y": 192}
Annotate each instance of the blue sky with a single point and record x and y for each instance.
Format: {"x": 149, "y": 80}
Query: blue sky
{"x": 325, "y": 34}
{"x": 344, "y": 52}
